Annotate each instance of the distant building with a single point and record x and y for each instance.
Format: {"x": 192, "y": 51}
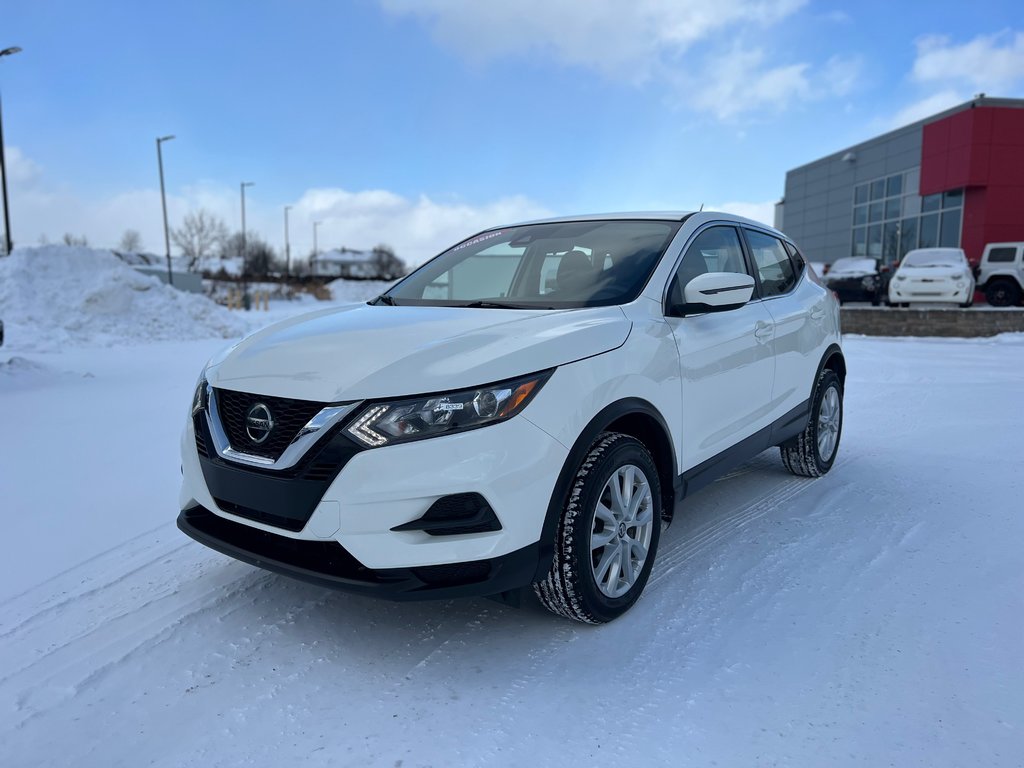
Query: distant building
{"x": 954, "y": 179}
{"x": 348, "y": 263}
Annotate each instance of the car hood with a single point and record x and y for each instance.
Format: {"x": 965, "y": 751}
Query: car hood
{"x": 852, "y": 274}
{"x": 362, "y": 351}
{"x": 934, "y": 273}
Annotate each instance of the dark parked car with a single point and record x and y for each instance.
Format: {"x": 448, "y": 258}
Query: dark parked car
{"x": 858, "y": 279}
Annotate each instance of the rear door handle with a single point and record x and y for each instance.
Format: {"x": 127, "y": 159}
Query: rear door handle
{"x": 763, "y": 331}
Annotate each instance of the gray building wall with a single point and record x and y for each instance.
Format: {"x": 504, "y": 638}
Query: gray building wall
{"x": 818, "y": 209}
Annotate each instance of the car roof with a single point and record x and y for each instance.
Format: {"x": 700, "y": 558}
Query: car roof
{"x": 652, "y": 216}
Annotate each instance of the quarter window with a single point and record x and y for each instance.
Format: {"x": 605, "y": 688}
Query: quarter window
{"x": 772, "y": 262}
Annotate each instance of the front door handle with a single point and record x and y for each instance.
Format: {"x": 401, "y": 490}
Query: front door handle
{"x": 763, "y": 331}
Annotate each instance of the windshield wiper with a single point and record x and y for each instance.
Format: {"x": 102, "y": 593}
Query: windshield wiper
{"x": 498, "y": 305}
{"x": 383, "y": 299}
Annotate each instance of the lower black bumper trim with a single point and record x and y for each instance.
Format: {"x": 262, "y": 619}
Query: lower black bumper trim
{"x": 328, "y": 564}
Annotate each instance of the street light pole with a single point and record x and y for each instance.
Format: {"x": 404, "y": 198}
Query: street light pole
{"x": 315, "y": 249}
{"x": 287, "y": 245}
{"x": 245, "y": 249}
{"x": 8, "y": 244}
{"x": 163, "y": 201}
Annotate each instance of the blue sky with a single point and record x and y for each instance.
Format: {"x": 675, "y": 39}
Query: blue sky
{"x": 415, "y": 122}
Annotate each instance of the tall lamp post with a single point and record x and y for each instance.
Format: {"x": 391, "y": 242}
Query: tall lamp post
{"x": 287, "y": 245}
{"x": 242, "y": 186}
{"x": 315, "y": 250}
{"x": 163, "y": 201}
{"x": 8, "y": 245}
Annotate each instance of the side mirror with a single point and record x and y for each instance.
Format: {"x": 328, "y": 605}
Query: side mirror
{"x": 715, "y": 292}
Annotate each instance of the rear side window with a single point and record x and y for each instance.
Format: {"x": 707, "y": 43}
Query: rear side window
{"x": 772, "y": 262}
{"x": 1002, "y": 255}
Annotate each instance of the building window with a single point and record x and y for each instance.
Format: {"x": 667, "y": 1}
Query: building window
{"x": 890, "y": 218}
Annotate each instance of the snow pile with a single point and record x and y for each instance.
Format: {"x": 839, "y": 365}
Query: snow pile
{"x": 55, "y": 295}
{"x": 357, "y": 290}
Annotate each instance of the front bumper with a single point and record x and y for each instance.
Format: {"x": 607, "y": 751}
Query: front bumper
{"x": 328, "y": 564}
{"x": 937, "y": 291}
{"x": 513, "y": 465}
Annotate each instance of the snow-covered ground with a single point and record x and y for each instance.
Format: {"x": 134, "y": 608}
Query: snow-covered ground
{"x": 872, "y": 617}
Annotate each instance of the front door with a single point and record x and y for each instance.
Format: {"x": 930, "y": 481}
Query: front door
{"x": 726, "y": 358}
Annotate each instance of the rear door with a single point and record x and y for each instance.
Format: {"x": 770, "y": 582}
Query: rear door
{"x": 725, "y": 357}
{"x": 799, "y": 311}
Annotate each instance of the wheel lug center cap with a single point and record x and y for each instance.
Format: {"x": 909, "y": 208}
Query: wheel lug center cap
{"x": 622, "y": 530}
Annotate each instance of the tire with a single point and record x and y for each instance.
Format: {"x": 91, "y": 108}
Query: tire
{"x": 1002, "y": 293}
{"x": 967, "y": 305}
{"x": 586, "y": 581}
{"x": 813, "y": 451}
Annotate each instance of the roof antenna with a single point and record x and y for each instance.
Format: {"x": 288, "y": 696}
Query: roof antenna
{"x": 701, "y": 207}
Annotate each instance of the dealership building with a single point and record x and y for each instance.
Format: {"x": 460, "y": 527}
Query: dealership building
{"x": 954, "y": 179}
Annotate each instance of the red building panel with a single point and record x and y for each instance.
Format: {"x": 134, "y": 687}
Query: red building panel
{"x": 981, "y": 150}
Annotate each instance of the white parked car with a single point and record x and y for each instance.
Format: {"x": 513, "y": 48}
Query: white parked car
{"x": 933, "y": 275}
{"x": 525, "y": 410}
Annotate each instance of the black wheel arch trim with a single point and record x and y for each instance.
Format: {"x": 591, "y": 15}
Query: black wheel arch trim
{"x": 606, "y": 417}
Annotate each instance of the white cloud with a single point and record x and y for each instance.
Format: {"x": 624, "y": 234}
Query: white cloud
{"x": 744, "y": 80}
{"x": 416, "y": 228}
{"x": 926, "y": 107}
{"x": 625, "y": 42}
{"x": 646, "y": 40}
{"x": 990, "y": 63}
{"x": 762, "y": 212}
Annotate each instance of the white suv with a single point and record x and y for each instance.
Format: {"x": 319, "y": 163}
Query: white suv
{"x": 526, "y": 409}
{"x": 1001, "y": 274}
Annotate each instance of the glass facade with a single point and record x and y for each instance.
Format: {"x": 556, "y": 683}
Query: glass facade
{"x": 890, "y": 218}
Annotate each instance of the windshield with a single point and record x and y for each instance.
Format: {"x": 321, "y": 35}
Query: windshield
{"x": 541, "y": 266}
{"x": 853, "y": 265}
{"x": 937, "y": 258}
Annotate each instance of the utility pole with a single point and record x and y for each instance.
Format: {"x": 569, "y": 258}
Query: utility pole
{"x": 315, "y": 250}
{"x": 287, "y": 245}
{"x": 163, "y": 201}
{"x": 245, "y": 248}
{"x": 8, "y": 243}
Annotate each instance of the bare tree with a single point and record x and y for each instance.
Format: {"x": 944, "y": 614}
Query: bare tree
{"x": 388, "y": 266}
{"x": 131, "y": 241}
{"x": 200, "y": 235}
{"x": 70, "y": 239}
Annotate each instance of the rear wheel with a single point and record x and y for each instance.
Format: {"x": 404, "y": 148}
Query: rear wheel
{"x": 813, "y": 451}
{"x": 608, "y": 533}
{"x": 1002, "y": 293}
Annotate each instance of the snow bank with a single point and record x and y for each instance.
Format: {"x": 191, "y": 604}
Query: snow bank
{"x": 55, "y": 296}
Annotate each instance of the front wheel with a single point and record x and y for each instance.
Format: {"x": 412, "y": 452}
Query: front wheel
{"x": 813, "y": 451}
{"x": 608, "y": 534}
{"x": 1002, "y": 293}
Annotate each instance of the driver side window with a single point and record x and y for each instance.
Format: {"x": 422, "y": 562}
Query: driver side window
{"x": 716, "y": 249}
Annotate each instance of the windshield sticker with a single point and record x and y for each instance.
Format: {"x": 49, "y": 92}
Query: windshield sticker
{"x": 476, "y": 240}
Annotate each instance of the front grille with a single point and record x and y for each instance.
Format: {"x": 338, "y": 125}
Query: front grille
{"x": 289, "y": 417}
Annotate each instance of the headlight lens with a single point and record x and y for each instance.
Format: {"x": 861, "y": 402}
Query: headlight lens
{"x": 400, "y": 421}
{"x": 959, "y": 276}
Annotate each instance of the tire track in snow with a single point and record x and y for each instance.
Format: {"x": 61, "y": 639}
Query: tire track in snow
{"x": 709, "y": 534}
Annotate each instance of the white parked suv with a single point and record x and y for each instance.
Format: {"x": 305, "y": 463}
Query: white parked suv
{"x": 526, "y": 409}
{"x": 933, "y": 275}
{"x": 1001, "y": 274}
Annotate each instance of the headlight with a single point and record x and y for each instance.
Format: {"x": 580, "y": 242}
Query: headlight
{"x": 400, "y": 421}
{"x": 901, "y": 277}
{"x": 868, "y": 282}
{"x": 959, "y": 276}
{"x": 199, "y": 398}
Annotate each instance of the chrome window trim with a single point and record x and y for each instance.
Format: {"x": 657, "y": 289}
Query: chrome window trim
{"x": 295, "y": 451}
